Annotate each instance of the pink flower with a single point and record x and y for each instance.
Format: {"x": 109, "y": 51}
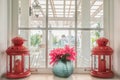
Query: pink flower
{"x": 64, "y": 54}
{"x": 71, "y": 52}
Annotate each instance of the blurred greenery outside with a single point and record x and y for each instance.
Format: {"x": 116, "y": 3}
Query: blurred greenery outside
{"x": 35, "y": 40}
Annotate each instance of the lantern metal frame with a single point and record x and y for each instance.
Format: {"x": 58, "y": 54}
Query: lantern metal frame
{"x": 101, "y": 59}
{"x": 15, "y": 64}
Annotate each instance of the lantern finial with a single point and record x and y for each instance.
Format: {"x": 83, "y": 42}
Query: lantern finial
{"x": 102, "y": 41}
{"x": 18, "y": 41}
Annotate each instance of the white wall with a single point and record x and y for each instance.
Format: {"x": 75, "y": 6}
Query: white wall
{"x": 117, "y": 37}
{"x": 3, "y": 34}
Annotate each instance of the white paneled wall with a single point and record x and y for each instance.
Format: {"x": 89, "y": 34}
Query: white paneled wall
{"x": 117, "y": 36}
{"x": 3, "y": 35}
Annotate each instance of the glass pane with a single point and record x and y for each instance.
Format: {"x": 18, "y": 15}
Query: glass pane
{"x": 60, "y": 38}
{"x": 13, "y": 63}
{"x": 95, "y": 62}
{"x": 90, "y": 13}
{"x": 61, "y": 14}
{"x": 26, "y": 63}
{"x": 18, "y": 63}
{"x": 32, "y": 13}
{"x": 107, "y": 60}
{"x": 36, "y": 44}
{"x": 8, "y": 63}
{"x": 85, "y": 42}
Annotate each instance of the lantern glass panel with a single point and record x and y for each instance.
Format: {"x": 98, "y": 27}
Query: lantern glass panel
{"x": 17, "y": 60}
{"x": 102, "y": 57}
{"x": 107, "y": 61}
{"x": 92, "y": 62}
{"x": 8, "y": 63}
{"x": 13, "y": 58}
{"x": 26, "y": 64}
{"x": 17, "y": 57}
{"x": 95, "y": 63}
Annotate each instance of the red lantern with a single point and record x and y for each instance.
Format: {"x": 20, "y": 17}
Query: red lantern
{"x": 18, "y": 59}
{"x": 101, "y": 59}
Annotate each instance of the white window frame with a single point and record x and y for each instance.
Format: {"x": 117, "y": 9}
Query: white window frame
{"x": 13, "y": 26}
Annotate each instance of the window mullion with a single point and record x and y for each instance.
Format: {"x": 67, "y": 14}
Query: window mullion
{"x": 46, "y": 33}
{"x": 76, "y": 30}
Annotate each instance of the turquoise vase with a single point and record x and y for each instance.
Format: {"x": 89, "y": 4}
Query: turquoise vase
{"x": 63, "y": 69}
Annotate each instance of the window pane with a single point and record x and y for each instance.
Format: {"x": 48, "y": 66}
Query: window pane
{"x": 36, "y": 44}
{"x": 85, "y": 42}
{"x": 96, "y": 14}
{"x": 61, "y": 14}
{"x": 90, "y": 13}
{"x": 32, "y": 13}
{"x": 60, "y": 38}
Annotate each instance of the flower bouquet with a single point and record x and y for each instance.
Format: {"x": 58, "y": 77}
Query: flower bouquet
{"x": 61, "y": 59}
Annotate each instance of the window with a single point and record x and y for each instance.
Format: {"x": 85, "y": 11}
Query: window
{"x": 48, "y": 24}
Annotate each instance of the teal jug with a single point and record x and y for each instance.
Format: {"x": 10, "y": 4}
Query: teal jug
{"x": 63, "y": 69}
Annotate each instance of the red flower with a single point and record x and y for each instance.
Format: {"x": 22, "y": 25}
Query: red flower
{"x": 64, "y": 54}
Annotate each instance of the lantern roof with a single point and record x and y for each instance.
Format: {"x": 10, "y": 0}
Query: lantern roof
{"x": 102, "y": 48}
{"x": 18, "y": 41}
{"x": 17, "y": 48}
